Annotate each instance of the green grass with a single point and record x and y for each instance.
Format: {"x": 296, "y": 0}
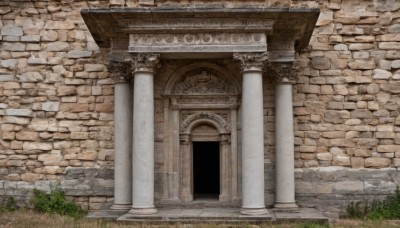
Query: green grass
{"x": 377, "y": 210}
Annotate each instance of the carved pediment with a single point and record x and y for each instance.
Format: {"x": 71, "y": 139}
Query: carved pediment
{"x": 203, "y": 82}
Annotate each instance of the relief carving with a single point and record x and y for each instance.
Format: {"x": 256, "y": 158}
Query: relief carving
{"x": 205, "y": 115}
{"x": 252, "y": 61}
{"x": 197, "y": 39}
{"x": 283, "y": 72}
{"x": 120, "y": 71}
{"x": 203, "y": 83}
{"x": 147, "y": 62}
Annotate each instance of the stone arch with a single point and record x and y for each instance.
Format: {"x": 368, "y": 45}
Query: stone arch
{"x": 214, "y": 69}
{"x": 212, "y": 119}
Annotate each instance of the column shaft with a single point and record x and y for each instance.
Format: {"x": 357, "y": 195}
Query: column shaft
{"x": 143, "y": 144}
{"x": 122, "y": 160}
{"x": 252, "y": 65}
{"x": 284, "y": 146}
{"x": 252, "y": 144}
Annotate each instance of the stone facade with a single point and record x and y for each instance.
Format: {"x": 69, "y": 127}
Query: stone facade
{"x": 57, "y": 102}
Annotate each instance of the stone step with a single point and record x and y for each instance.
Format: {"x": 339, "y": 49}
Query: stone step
{"x": 212, "y": 215}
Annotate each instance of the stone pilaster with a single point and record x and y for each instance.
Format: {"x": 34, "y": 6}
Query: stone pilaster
{"x": 284, "y": 75}
{"x": 122, "y": 135}
{"x": 143, "y": 67}
{"x": 252, "y": 65}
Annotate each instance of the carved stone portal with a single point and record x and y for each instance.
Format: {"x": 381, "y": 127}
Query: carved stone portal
{"x": 200, "y": 106}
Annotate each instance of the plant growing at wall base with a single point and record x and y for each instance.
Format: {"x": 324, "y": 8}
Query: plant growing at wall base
{"x": 9, "y": 204}
{"x": 377, "y": 210}
{"x": 55, "y": 203}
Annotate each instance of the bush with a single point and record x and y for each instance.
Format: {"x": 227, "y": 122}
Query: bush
{"x": 377, "y": 210}
{"x": 55, "y": 203}
{"x": 9, "y": 204}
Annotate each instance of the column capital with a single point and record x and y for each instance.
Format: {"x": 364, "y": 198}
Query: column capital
{"x": 120, "y": 71}
{"x": 252, "y": 61}
{"x": 144, "y": 62}
{"x": 283, "y": 72}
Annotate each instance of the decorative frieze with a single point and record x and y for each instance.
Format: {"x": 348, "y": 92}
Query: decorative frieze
{"x": 283, "y": 72}
{"x": 252, "y": 61}
{"x": 197, "y": 42}
{"x": 147, "y": 62}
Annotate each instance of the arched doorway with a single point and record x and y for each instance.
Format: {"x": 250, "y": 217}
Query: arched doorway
{"x": 201, "y": 113}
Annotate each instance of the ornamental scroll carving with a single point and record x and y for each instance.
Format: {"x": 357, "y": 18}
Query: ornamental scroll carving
{"x": 120, "y": 71}
{"x": 203, "y": 82}
{"x": 197, "y": 39}
{"x": 252, "y": 61}
{"x": 186, "y": 123}
{"x": 283, "y": 72}
{"x": 147, "y": 62}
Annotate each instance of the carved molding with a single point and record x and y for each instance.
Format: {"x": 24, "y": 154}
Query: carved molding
{"x": 252, "y": 61}
{"x": 223, "y": 125}
{"x": 283, "y": 72}
{"x": 225, "y": 139}
{"x": 199, "y": 24}
{"x": 197, "y": 42}
{"x": 144, "y": 62}
{"x": 204, "y": 82}
{"x": 184, "y": 139}
{"x": 120, "y": 71}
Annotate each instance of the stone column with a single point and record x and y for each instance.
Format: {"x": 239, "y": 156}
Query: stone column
{"x": 143, "y": 134}
{"x": 122, "y": 136}
{"x": 284, "y": 76}
{"x": 252, "y": 65}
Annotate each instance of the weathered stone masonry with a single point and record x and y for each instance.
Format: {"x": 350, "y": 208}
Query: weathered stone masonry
{"x": 57, "y": 102}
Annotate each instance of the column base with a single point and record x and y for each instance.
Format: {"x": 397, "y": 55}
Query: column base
{"x": 254, "y": 211}
{"x": 143, "y": 211}
{"x": 286, "y": 206}
{"x": 121, "y": 207}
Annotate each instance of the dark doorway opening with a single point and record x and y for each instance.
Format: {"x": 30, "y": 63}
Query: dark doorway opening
{"x": 206, "y": 176}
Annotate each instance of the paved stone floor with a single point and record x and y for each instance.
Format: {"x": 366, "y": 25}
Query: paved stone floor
{"x": 217, "y": 215}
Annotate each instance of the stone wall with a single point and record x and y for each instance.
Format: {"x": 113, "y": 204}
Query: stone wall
{"x": 56, "y": 102}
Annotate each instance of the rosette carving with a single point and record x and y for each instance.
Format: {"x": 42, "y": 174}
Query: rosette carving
{"x": 252, "y": 61}
{"x": 147, "y": 62}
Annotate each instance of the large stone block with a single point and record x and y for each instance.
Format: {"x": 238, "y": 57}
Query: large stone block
{"x": 58, "y": 46}
{"x": 362, "y": 64}
{"x": 389, "y": 45}
{"x": 381, "y": 74}
{"x": 19, "y": 112}
{"x": 388, "y": 148}
{"x": 37, "y": 146}
{"x": 321, "y": 63}
{"x": 348, "y": 187}
{"x": 59, "y": 25}
{"x": 51, "y": 106}
{"x": 15, "y": 120}
{"x": 79, "y": 54}
{"x": 17, "y": 47}
{"x": 27, "y": 135}
{"x": 361, "y": 114}
{"x": 377, "y": 162}
{"x": 11, "y": 30}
